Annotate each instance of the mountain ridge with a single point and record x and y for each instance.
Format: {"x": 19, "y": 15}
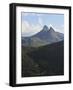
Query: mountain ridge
{"x": 45, "y": 36}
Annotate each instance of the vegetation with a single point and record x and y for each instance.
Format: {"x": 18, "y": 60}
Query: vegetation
{"x": 46, "y": 60}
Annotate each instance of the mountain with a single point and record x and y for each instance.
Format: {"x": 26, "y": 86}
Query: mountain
{"x": 44, "y": 37}
{"x": 46, "y": 60}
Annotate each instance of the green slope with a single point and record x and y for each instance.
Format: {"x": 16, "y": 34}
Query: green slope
{"x": 43, "y": 61}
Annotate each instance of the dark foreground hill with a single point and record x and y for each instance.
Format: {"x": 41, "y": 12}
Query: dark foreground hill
{"x": 43, "y": 61}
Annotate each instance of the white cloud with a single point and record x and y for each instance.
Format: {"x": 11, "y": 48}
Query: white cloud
{"x": 30, "y": 29}
{"x": 40, "y": 21}
{"x": 60, "y": 28}
{"x": 57, "y": 28}
{"x": 25, "y": 26}
{"x": 50, "y": 25}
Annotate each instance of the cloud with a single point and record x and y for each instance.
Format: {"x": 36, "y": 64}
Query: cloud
{"x": 40, "y": 21}
{"x": 30, "y": 29}
{"x": 50, "y": 25}
{"x": 25, "y": 26}
{"x": 57, "y": 28}
{"x": 60, "y": 28}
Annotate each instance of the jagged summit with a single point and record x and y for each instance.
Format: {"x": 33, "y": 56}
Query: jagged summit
{"x": 45, "y": 28}
{"x": 46, "y": 36}
{"x": 51, "y": 29}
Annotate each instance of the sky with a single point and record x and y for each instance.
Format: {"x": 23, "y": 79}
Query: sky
{"x": 33, "y": 23}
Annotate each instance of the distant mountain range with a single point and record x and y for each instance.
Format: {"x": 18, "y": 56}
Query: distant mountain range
{"x": 44, "y": 37}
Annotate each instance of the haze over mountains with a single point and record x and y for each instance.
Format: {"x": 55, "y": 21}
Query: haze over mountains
{"x": 44, "y": 37}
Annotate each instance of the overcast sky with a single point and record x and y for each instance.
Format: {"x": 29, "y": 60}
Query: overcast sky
{"x": 34, "y": 22}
